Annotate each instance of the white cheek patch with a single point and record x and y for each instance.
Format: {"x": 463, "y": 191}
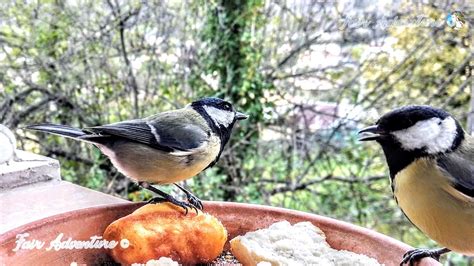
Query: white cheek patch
{"x": 435, "y": 135}
{"x": 220, "y": 117}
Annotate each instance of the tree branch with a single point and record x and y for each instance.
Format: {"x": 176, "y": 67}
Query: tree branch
{"x": 305, "y": 185}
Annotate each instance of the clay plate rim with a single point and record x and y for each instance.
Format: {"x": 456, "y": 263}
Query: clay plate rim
{"x": 218, "y": 205}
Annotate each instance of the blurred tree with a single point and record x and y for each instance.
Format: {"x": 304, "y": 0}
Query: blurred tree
{"x": 309, "y": 73}
{"x": 232, "y": 54}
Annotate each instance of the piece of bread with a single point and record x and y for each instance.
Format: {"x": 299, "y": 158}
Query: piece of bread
{"x": 163, "y": 230}
{"x": 284, "y": 244}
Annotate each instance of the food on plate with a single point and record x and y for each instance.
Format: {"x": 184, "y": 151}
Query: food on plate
{"x": 286, "y": 244}
{"x": 164, "y": 230}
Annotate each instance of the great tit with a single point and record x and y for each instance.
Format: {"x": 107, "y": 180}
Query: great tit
{"x": 431, "y": 164}
{"x": 164, "y": 148}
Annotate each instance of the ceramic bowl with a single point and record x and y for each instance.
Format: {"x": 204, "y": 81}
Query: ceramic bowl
{"x": 238, "y": 219}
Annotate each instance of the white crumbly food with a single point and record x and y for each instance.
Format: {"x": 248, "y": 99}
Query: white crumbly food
{"x": 163, "y": 261}
{"x": 300, "y": 244}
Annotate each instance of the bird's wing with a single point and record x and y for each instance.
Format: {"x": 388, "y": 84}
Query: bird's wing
{"x": 461, "y": 168}
{"x": 164, "y": 132}
{"x": 465, "y": 149}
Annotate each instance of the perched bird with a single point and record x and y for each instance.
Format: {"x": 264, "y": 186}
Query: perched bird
{"x": 164, "y": 148}
{"x": 431, "y": 163}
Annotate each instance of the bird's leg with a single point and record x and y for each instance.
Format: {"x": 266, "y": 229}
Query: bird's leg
{"x": 192, "y": 199}
{"x": 164, "y": 197}
{"x": 414, "y": 255}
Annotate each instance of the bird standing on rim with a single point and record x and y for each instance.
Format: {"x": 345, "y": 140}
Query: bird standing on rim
{"x": 431, "y": 163}
{"x": 164, "y": 148}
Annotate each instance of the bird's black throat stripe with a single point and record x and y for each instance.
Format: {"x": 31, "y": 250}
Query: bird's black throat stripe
{"x": 398, "y": 158}
{"x": 221, "y": 131}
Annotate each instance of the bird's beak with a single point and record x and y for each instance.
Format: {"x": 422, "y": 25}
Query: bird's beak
{"x": 241, "y": 116}
{"x": 371, "y": 133}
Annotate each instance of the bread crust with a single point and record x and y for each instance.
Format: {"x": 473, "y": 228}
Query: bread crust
{"x": 163, "y": 230}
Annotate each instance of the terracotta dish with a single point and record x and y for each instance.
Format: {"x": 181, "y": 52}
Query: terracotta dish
{"x": 237, "y": 218}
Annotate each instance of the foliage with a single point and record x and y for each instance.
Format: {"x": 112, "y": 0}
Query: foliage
{"x": 309, "y": 74}
{"x": 232, "y": 55}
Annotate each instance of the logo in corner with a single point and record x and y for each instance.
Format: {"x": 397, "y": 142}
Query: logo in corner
{"x": 455, "y": 20}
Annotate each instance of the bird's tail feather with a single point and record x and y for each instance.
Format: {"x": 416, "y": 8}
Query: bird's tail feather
{"x": 61, "y": 130}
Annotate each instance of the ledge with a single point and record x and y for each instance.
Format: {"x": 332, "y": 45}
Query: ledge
{"x": 28, "y": 168}
{"x": 31, "y": 189}
{"x": 26, "y": 204}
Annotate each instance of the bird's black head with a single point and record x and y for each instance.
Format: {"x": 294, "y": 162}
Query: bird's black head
{"x": 220, "y": 116}
{"x": 221, "y": 113}
{"x": 411, "y": 132}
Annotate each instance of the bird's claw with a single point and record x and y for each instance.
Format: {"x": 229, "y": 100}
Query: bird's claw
{"x": 156, "y": 200}
{"x": 182, "y": 204}
{"x": 414, "y": 255}
{"x": 193, "y": 200}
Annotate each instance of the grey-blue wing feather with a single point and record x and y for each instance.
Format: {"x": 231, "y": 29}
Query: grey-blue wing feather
{"x": 163, "y": 134}
{"x": 133, "y": 130}
{"x": 461, "y": 169}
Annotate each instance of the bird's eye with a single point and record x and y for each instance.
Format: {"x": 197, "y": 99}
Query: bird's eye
{"x": 227, "y": 107}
